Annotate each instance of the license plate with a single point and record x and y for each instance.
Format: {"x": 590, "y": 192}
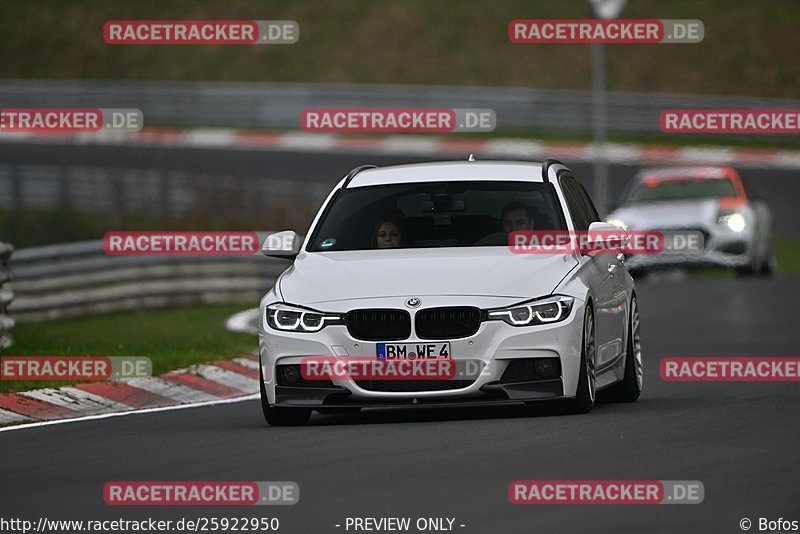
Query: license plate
{"x": 412, "y": 351}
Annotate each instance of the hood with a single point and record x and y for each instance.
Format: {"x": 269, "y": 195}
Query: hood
{"x": 488, "y": 271}
{"x": 668, "y": 214}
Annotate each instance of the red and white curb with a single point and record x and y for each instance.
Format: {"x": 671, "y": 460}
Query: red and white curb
{"x": 420, "y": 145}
{"x": 208, "y": 383}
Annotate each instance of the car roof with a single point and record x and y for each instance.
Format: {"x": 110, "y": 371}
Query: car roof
{"x": 450, "y": 171}
{"x": 681, "y": 173}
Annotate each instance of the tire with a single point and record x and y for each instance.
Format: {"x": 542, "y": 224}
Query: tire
{"x": 587, "y": 379}
{"x": 630, "y": 387}
{"x": 769, "y": 265}
{"x": 759, "y": 266}
{"x": 280, "y": 416}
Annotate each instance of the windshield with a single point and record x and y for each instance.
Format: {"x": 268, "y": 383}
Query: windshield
{"x": 653, "y": 189}
{"x": 435, "y": 214}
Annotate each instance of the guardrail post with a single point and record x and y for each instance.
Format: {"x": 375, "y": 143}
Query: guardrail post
{"x": 6, "y": 296}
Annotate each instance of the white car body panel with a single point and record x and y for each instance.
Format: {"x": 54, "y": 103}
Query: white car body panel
{"x": 480, "y": 271}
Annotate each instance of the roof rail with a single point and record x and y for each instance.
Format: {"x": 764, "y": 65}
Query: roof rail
{"x": 546, "y": 167}
{"x": 352, "y": 174}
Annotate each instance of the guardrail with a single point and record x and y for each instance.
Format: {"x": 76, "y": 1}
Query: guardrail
{"x": 77, "y": 279}
{"x": 6, "y": 296}
{"x": 279, "y": 105}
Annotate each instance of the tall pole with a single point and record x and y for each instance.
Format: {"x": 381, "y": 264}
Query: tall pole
{"x": 599, "y": 127}
{"x": 604, "y": 10}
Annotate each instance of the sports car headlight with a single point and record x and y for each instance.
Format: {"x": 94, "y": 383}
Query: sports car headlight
{"x": 549, "y": 310}
{"x": 292, "y": 319}
{"x": 735, "y": 221}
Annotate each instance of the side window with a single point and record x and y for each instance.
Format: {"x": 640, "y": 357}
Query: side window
{"x": 574, "y": 203}
{"x": 591, "y": 211}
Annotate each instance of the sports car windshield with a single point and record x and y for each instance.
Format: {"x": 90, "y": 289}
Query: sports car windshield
{"x": 435, "y": 214}
{"x": 689, "y": 189}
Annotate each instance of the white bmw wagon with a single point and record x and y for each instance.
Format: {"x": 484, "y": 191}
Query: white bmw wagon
{"x": 413, "y": 263}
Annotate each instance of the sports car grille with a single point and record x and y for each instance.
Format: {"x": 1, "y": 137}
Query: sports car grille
{"x": 447, "y": 323}
{"x": 398, "y": 386}
{"x": 379, "y": 324}
{"x": 681, "y": 230}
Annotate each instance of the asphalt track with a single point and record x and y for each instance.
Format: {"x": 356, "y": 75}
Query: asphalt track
{"x": 740, "y": 440}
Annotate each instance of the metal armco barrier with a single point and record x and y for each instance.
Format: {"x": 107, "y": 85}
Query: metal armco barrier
{"x": 6, "y": 296}
{"x": 78, "y": 279}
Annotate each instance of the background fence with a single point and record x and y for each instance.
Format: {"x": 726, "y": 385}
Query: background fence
{"x": 6, "y": 296}
{"x": 78, "y": 279}
{"x": 279, "y": 105}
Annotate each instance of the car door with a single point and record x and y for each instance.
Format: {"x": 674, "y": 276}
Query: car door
{"x": 605, "y": 275}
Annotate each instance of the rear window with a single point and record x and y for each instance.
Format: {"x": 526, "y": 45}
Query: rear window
{"x": 438, "y": 214}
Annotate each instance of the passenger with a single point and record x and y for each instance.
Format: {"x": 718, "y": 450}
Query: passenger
{"x": 388, "y": 234}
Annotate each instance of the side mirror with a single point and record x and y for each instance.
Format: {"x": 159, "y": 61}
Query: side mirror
{"x": 284, "y": 244}
{"x": 609, "y": 235}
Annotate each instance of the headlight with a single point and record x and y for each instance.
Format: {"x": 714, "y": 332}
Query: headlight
{"x": 292, "y": 319}
{"x": 734, "y": 221}
{"x": 549, "y": 310}
{"x": 617, "y": 222}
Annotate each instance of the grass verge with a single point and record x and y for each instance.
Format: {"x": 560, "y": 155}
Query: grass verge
{"x": 746, "y": 49}
{"x": 172, "y": 338}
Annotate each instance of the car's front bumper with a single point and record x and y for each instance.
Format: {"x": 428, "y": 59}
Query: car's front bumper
{"x": 721, "y": 248}
{"x": 491, "y": 393}
{"x": 493, "y": 347}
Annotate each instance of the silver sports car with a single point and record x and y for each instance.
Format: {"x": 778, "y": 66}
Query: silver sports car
{"x": 736, "y": 227}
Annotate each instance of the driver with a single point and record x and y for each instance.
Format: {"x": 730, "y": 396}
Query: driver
{"x": 516, "y": 217}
